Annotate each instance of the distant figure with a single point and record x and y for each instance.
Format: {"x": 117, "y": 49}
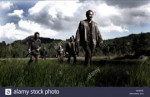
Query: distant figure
{"x": 43, "y": 53}
{"x": 34, "y": 47}
{"x": 88, "y": 36}
{"x": 60, "y": 54}
{"x": 71, "y": 50}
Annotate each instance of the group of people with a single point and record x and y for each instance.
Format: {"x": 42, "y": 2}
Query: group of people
{"x": 71, "y": 50}
{"x": 88, "y": 36}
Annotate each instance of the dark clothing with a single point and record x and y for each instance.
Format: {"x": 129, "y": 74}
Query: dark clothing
{"x": 88, "y": 36}
{"x": 74, "y": 58}
{"x": 71, "y": 49}
{"x": 88, "y": 31}
{"x": 43, "y": 54}
{"x": 68, "y": 47}
{"x": 34, "y": 45}
{"x": 89, "y": 49}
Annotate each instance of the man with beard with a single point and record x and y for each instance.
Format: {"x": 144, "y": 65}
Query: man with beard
{"x": 88, "y": 36}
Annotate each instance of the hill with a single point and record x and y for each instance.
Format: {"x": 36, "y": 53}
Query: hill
{"x": 133, "y": 44}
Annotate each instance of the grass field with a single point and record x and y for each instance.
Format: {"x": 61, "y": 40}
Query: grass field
{"x": 51, "y": 73}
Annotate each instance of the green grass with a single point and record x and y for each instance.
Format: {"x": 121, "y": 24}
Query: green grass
{"x": 51, "y": 73}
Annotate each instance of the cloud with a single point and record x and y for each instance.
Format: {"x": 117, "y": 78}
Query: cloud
{"x": 54, "y": 14}
{"x": 10, "y": 31}
{"x": 60, "y": 19}
{"x": 133, "y": 16}
{"x": 37, "y": 7}
{"x": 55, "y": 7}
{"x": 104, "y": 10}
{"x": 5, "y": 5}
{"x": 127, "y": 3}
{"x": 65, "y": 16}
{"x": 113, "y": 27}
{"x": 18, "y": 13}
{"x": 32, "y": 27}
{"x": 109, "y": 17}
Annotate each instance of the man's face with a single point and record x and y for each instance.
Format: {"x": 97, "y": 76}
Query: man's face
{"x": 90, "y": 16}
{"x": 37, "y": 35}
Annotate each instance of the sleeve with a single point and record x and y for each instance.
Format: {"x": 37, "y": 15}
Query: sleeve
{"x": 39, "y": 44}
{"x": 29, "y": 43}
{"x": 66, "y": 47}
{"x": 77, "y": 38}
{"x": 99, "y": 37}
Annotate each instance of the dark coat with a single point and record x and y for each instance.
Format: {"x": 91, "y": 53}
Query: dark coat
{"x": 70, "y": 48}
{"x": 34, "y": 45}
{"x": 83, "y": 29}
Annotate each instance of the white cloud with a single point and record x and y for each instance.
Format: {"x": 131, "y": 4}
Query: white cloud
{"x": 18, "y": 13}
{"x": 110, "y": 18}
{"x": 107, "y": 11}
{"x": 38, "y": 7}
{"x": 145, "y": 7}
{"x": 10, "y": 31}
{"x": 72, "y": 9}
{"x": 112, "y": 28}
{"x": 66, "y": 8}
{"x": 4, "y": 5}
{"x": 28, "y": 25}
{"x": 35, "y": 27}
{"x": 60, "y": 19}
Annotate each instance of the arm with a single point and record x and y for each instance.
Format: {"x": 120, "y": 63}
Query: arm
{"x": 99, "y": 37}
{"x": 77, "y": 39}
{"x": 39, "y": 46}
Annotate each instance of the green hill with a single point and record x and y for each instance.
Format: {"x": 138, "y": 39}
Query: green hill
{"x": 133, "y": 44}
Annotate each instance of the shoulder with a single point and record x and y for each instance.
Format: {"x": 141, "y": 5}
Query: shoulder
{"x": 82, "y": 21}
{"x": 94, "y": 23}
{"x": 31, "y": 40}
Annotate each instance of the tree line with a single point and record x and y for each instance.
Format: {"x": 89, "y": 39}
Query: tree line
{"x": 135, "y": 44}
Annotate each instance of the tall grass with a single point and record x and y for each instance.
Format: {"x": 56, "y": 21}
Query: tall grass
{"x": 53, "y": 73}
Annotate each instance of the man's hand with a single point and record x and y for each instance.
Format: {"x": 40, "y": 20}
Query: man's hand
{"x": 29, "y": 50}
{"x": 67, "y": 53}
{"x": 37, "y": 49}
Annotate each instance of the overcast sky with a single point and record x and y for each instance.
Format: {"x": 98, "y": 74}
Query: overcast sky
{"x": 60, "y": 19}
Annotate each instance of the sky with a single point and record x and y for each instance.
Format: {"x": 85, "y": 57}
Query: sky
{"x": 60, "y": 19}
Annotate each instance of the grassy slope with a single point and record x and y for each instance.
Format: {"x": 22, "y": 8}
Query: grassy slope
{"x": 52, "y": 73}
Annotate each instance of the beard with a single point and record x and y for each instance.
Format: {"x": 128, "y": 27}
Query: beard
{"x": 89, "y": 18}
